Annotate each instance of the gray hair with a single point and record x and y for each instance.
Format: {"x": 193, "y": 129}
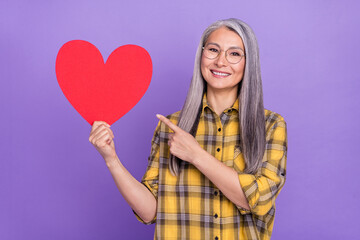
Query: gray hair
{"x": 251, "y": 107}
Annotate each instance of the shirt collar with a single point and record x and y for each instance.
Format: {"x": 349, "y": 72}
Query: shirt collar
{"x": 205, "y": 104}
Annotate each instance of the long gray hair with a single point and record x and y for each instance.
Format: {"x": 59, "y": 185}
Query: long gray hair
{"x": 251, "y": 107}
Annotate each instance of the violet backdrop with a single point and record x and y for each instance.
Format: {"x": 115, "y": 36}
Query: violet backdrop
{"x": 54, "y": 184}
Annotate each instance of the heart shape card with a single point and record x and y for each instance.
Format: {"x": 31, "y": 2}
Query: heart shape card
{"x": 102, "y": 91}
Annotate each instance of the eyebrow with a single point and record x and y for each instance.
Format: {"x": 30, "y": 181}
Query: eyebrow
{"x": 232, "y": 47}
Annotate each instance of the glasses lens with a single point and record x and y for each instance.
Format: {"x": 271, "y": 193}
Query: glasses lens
{"x": 234, "y": 55}
{"x": 211, "y": 51}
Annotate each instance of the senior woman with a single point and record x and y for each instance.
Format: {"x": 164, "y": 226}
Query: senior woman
{"x": 217, "y": 165}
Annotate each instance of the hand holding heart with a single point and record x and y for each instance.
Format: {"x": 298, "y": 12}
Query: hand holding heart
{"x": 182, "y": 144}
{"x": 102, "y": 137}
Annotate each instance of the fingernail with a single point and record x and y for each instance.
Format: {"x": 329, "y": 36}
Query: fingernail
{"x": 158, "y": 116}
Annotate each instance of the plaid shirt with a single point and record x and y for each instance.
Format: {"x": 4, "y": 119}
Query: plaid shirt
{"x": 190, "y": 206}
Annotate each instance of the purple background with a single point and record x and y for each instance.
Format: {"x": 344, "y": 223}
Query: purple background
{"x": 54, "y": 184}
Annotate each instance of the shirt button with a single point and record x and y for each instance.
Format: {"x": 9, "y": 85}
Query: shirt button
{"x": 216, "y": 238}
{"x": 215, "y": 216}
{"x": 218, "y": 149}
{"x": 216, "y": 193}
{"x": 219, "y": 129}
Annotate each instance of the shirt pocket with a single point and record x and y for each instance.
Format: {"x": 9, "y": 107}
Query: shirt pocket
{"x": 238, "y": 162}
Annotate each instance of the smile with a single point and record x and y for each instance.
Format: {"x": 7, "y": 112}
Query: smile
{"x": 219, "y": 73}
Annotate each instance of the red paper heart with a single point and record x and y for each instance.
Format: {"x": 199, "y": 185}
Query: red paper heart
{"x": 98, "y": 91}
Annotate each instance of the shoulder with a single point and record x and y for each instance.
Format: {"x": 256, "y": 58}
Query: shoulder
{"x": 272, "y": 116}
{"x": 162, "y": 127}
{"x": 174, "y": 118}
{"x": 273, "y": 119}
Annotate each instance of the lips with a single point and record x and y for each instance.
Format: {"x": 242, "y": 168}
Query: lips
{"x": 219, "y": 73}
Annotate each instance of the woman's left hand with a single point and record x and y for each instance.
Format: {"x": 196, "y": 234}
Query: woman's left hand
{"x": 182, "y": 144}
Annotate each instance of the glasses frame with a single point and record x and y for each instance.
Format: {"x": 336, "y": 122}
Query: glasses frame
{"x": 243, "y": 55}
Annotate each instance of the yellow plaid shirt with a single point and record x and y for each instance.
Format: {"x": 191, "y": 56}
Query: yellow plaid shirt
{"x": 190, "y": 206}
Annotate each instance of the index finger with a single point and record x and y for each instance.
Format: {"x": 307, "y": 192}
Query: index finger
{"x": 168, "y": 123}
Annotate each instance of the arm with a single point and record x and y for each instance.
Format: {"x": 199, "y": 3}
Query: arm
{"x": 262, "y": 188}
{"x": 184, "y": 146}
{"x": 250, "y": 193}
{"x": 224, "y": 177}
{"x": 140, "y": 199}
{"x": 136, "y": 194}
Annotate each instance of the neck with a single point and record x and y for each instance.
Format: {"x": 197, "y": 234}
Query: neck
{"x": 219, "y": 100}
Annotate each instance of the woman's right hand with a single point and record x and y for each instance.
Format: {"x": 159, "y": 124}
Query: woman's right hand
{"x": 134, "y": 192}
{"x": 102, "y": 137}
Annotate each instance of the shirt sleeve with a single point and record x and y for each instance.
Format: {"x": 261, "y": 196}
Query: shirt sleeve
{"x": 151, "y": 176}
{"x": 262, "y": 188}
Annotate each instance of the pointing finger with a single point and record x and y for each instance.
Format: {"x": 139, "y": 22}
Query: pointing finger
{"x": 168, "y": 123}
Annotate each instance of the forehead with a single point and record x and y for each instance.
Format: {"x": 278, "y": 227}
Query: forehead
{"x": 225, "y": 38}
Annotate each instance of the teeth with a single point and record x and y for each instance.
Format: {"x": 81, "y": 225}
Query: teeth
{"x": 220, "y": 74}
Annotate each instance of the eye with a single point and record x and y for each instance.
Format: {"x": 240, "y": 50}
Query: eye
{"x": 235, "y": 53}
{"x": 211, "y": 49}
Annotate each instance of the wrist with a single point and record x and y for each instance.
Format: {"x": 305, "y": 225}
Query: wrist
{"x": 199, "y": 157}
{"x": 111, "y": 161}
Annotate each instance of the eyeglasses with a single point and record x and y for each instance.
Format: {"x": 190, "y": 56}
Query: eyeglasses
{"x": 232, "y": 55}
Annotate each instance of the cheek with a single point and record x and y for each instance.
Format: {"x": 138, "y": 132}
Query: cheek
{"x": 203, "y": 66}
{"x": 240, "y": 70}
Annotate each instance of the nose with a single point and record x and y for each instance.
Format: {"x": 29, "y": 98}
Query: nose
{"x": 221, "y": 59}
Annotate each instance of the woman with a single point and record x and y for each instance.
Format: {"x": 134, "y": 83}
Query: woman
{"x": 216, "y": 166}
